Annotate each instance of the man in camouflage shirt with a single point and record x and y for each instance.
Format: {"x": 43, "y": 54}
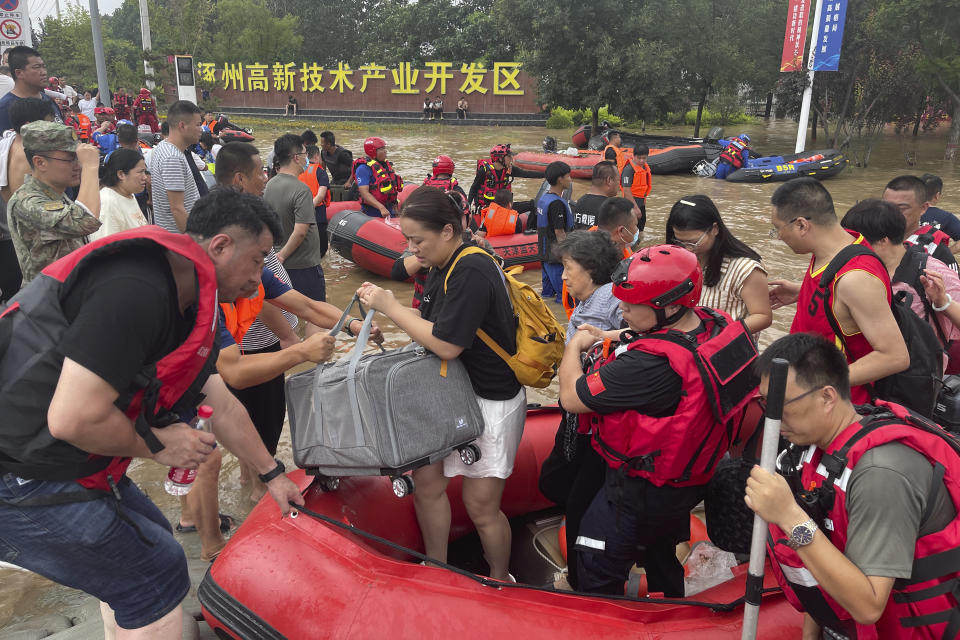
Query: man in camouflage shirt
{"x": 44, "y": 223}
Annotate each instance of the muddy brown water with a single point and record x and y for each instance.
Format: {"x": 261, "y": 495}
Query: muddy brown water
{"x": 745, "y": 208}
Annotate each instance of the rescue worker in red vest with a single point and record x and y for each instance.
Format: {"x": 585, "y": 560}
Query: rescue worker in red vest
{"x": 315, "y": 176}
{"x": 441, "y": 176}
{"x": 495, "y": 173}
{"x": 635, "y": 181}
{"x": 909, "y": 195}
{"x": 660, "y": 439}
{"x": 500, "y": 218}
{"x": 378, "y": 183}
{"x": 876, "y": 539}
{"x": 804, "y": 218}
{"x": 145, "y": 110}
{"x": 734, "y": 156}
{"x": 76, "y": 412}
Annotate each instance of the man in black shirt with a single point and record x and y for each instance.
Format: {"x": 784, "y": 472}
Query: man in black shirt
{"x": 605, "y": 183}
{"x": 338, "y": 162}
{"x": 126, "y": 311}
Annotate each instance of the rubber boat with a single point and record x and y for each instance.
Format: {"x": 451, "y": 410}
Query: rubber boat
{"x": 584, "y": 139}
{"x": 341, "y": 568}
{"x": 822, "y": 163}
{"x": 672, "y": 159}
{"x": 376, "y": 243}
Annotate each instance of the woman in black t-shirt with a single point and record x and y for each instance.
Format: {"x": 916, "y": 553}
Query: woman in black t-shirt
{"x": 475, "y": 298}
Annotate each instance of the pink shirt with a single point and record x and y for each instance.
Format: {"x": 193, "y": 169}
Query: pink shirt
{"x": 951, "y": 283}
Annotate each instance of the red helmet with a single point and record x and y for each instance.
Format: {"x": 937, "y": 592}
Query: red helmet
{"x": 659, "y": 276}
{"x": 442, "y": 164}
{"x": 499, "y": 152}
{"x": 99, "y": 111}
{"x": 54, "y": 81}
{"x": 371, "y": 145}
{"x": 144, "y": 91}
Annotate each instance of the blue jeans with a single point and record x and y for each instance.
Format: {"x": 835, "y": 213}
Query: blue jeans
{"x": 551, "y": 280}
{"x": 309, "y": 282}
{"x": 121, "y": 552}
{"x": 373, "y": 212}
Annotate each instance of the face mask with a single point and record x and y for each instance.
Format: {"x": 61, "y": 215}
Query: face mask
{"x": 306, "y": 165}
{"x": 636, "y": 237}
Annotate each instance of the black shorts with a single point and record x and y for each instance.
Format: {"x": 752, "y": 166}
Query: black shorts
{"x": 266, "y": 404}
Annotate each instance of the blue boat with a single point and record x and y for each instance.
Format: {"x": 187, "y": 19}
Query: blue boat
{"x": 820, "y": 164}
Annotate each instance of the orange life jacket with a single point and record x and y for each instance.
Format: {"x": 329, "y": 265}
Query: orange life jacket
{"x": 309, "y": 178}
{"x": 85, "y": 128}
{"x": 500, "y": 221}
{"x": 640, "y": 187}
{"x": 569, "y": 302}
{"x": 238, "y": 316}
{"x": 621, "y": 156}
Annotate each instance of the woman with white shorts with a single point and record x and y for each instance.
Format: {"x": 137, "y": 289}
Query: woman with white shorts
{"x": 473, "y": 297}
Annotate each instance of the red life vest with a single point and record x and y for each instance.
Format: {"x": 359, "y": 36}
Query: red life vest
{"x": 156, "y": 397}
{"x": 935, "y": 563}
{"x": 386, "y": 184}
{"x": 733, "y": 153}
{"x": 493, "y": 181}
{"x": 309, "y": 178}
{"x": 682, "y": 449}
{"x": 810, "y": 316}
{"x": 447, "y": 184}
{"x": 500, "y": 221}
{"x": 122, "y": 106}
{"x": 144, "y": 105}
{"x": 239, "y": 316}
{"x": 935, "y": 242}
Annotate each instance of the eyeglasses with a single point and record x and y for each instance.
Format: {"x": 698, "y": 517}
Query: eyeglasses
{"x": 775, "y": 233}
{"x": 73, "y": 160}
{"x": 691, "y": 246}
{"x": 801, "y": 396}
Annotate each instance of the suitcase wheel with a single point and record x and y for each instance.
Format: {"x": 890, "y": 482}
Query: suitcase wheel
{"x": 403, "y": 486}
{"x": 469, "y": 454}
{"x": 329, "y": 484}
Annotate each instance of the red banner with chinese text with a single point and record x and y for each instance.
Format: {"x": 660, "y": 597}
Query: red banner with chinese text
{"x": 795, "y": 37}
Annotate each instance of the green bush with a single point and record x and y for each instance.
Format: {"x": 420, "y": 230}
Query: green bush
{"x": 714, "y": 117}
{"x": 559, "y": 119}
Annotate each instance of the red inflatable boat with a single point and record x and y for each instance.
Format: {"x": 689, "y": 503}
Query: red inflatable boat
{"x": 376, "y": 243}
{"x": 334, "y": 570}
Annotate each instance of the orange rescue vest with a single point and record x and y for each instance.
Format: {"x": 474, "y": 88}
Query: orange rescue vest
{"x": 500, "y": 221}
{"x": 640, "y": 186}
{"x": 309, "y": 178}
{"x": 238, "y": 316}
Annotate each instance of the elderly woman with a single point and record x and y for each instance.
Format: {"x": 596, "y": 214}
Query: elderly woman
{"x": 574, "y": 472}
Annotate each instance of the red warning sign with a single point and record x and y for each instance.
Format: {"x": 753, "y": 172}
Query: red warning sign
{"x": 10, "y": 29}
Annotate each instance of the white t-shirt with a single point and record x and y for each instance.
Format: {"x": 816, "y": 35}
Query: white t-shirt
{"x": 117, "y": 213}
{"x": 87, "y": 107}
{"x": 69, "y": 91}
{"x": 6, "y": 85}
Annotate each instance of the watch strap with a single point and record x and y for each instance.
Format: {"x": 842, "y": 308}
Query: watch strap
{"x": 273, "y": 473}
{"x": 810, "y": 524}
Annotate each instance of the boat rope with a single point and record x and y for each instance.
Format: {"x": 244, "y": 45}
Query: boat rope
{"x": 718, "y": 607}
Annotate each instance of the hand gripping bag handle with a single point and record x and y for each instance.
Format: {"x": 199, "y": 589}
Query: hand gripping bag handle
{"x": 351, "y": 361}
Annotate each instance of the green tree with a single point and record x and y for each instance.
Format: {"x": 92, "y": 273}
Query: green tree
{"x": 934, "y": 27}
{"x": 265, "y": 38}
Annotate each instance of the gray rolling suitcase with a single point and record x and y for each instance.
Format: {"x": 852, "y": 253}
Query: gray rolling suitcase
{"x": 381, "y": 413}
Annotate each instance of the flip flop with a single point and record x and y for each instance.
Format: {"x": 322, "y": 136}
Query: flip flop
{"x": 226, "y": 523}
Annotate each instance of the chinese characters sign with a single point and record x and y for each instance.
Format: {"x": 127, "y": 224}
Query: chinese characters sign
{"x": 14, "y": 24}
{"x": 795, "y": 37}
{"x": 830, "y": 36}
{"x": 501, "y": 79}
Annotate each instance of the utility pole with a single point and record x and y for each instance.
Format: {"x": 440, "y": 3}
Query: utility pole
{"x": 808, "y": 92}
{"x": 147, "y": 44}
{"x": 104, "y": 95}
{"x": 58, "y": 10}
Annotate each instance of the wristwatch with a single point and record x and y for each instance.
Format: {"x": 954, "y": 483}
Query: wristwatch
{"x": 270, "y": 475}
{"x": 802, "y": 534}
{"x": 346, "y": 327}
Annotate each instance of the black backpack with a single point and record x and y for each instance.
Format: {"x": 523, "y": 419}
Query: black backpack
{"x": 909, "y": 271}
{"x": 917, "y": 386}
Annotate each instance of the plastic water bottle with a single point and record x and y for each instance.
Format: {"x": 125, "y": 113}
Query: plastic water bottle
{"x": 179, "y": 481}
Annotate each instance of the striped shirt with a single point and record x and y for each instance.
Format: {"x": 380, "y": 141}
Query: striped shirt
{"x": 169, "y": 172}
{"x": 258, "y": 336}
{"x": 725, "y": 295}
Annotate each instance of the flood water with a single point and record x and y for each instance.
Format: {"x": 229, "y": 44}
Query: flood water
{"x": 745, "y": 208}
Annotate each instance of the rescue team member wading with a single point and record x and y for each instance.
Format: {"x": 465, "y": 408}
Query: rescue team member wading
{"x": 662, "y": 439}
{"x": 872, "y": 553}
{"x": 378, "y": 183}
{"x": 86, "y": 389}
{"x": 734, "y": 156}
{"x": 804, "y": 218}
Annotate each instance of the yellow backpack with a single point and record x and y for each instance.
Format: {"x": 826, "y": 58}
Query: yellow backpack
{"x": 540, "y": 338}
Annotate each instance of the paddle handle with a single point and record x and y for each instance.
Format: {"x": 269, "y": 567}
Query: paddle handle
{"x": 768, "y": 458}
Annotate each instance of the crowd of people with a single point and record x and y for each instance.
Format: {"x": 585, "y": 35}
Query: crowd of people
{"x": 133, "y": 248}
